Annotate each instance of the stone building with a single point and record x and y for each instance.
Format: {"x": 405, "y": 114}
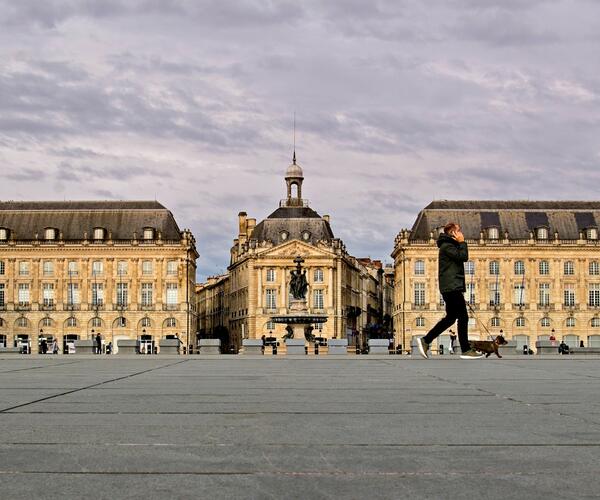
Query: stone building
{"x": 71, "y": 270}
{"x": 344, "y": 288}
{"x": 533, "y": 271}
{"x": 212, "y": 308}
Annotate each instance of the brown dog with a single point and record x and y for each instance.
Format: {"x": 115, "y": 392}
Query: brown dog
{"x": 488, "y": 346}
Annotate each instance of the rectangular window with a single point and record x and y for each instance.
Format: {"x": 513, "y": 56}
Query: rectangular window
{"x": 172, "y": 267}
{"x": 2, "y": 294}
{"x": 147, "y": 267}
{"x": 471, "y": 293}
{"x": 23, "y": 268}
{"x": 594, "y": 294}
{"x": 544, "y": 268}
{"x": 419, "y": 294}
{"x": 146, "y": 294}
{"x": 48, "y": 268}
{"x": 172, "y": 294}
{"x": 318, "y": 299}
{"x": 569, "y": 294}
{"x": 122, "y": 294}
{"x": 318, "y": 276}
{"x": 519, "y": 294}
{"x": 2, "y": 268}
{"x": 72, "y": 268}
{"x": 419, "y": 267}
{"x": 594, "y": 268}
{"x": 544, "y": 294}
{"x": 97, "y": 294}
{"x": 97, "y": 267}
{"x": 470, "y": 267}
{"x": 122, "y": 267}
{"x": 270, "y": 298}
{"x": 72, "y": 293}
{"x": 270, "y": 275}
{"x": 48, "y": 294}
{"x": 23, "y": 294}
{"x": 494, "y": 294}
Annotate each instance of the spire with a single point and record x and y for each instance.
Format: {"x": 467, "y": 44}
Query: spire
{"x": 294, "y": 159}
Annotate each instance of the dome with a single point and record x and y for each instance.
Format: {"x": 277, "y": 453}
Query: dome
{"x": 294, "y": 170}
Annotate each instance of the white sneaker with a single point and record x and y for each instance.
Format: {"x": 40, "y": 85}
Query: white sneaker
{"x": 423, "y": 347}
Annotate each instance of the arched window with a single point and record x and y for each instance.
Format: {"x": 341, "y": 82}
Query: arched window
{"x": 71, "y": 322}
{"x": 570, "y": 322}
{"x": 545, "y": 322}
{"x": 494, "y": 267}
{"x": 96, "y": 322}
{"x": 22, "y": 322}
{"x": 595, "y": 322}
{"x": 493, "y": 233}
{"x": 420, "y": 322}
{"x": 519, "y": 267}
{"x": 170, "y": 323}
{"x": 495, "y": 322}
{"x": 541, "y": 233}
{"x": 146, "y": 323}
{"x": 419, "y": 267}
{"x": 46, "y": 321}
{"x": 520, "y": 323}
{"x": 50, "y": 233}
{"x": 569, "y": 268}
{"x": 121, "y": 322}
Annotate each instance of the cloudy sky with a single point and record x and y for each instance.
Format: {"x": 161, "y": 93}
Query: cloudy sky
{"x": 397, "y": 102}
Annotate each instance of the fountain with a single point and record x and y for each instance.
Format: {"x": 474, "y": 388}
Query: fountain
{"x": 299, "y": 321}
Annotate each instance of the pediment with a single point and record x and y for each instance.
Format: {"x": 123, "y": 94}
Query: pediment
{"x": 293, "y": 248}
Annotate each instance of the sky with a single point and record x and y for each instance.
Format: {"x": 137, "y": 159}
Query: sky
{"x": 397, "y": 103}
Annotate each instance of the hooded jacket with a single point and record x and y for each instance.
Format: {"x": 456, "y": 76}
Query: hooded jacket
{"x": 451, "y": 268}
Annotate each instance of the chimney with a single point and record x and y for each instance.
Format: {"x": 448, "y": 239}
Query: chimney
{"x": 243, "y": 223}
{"x": 326, "y": 218}
{"x": 251, "y": 226}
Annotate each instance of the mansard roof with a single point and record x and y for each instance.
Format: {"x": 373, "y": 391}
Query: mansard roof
{"x": 294, "y": 221}
{"x": 120, "y": 219}
{"x": 568, "y": 218}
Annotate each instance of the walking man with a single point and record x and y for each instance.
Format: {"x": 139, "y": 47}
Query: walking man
{"x": 451, "y": 272}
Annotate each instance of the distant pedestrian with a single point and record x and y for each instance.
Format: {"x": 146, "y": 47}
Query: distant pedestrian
{"x": 453, "y": 253}
{"x": 452, "y": 341}
{"x": 44, "y": 346}
{"x": 109, "y": 348}
{"x": 581, "y": 343}
{"x": 98, "y": 344}
{"x": 55, "y": 346}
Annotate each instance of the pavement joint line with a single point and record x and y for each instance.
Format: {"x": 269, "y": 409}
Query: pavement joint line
{"x": 42, "y": 366}
{"x": 542, "y": 408}
{"x": 91, "y": 444}
{"x": 6, "y": 410}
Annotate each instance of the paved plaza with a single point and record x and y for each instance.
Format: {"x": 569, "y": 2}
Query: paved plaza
{"x": 241, "y": 427}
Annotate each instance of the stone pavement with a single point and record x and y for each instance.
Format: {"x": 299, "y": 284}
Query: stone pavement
{"x": 242, "y": 427}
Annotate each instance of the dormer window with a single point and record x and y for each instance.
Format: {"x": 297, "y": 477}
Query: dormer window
{"x": 493, "y": 233}
{"x": 99, "y": 233}
{"x": 284, "y": 235}
{"x": 50, "y": 233}
{"x": 148, "y": 233}
{"x": 305, "y": 235}
{"x": 3, "y": 234}
{"x": 591, "y": 233}
{"x": 541, "y": 233}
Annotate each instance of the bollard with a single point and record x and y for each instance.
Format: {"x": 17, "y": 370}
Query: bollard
{"x": 441, "y": 350}
{"x": 316, "y": 348}
{"x": 525, "y": 350}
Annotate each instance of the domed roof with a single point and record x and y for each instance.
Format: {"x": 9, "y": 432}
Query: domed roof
{"x": 294, "y": 170}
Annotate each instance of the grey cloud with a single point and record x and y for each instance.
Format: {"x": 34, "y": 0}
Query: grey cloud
{"x": 25, "y": 174}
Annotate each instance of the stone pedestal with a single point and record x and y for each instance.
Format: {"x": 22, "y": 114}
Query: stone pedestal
{"x": 379, "y": 346}
{"x": 85, "y": 346}
{"x": 210, "y": 346}
{"x": 296, "y": 346}
{"x": 338, "y": 347}
{"x": 168, "y": 346}
{"x": 546, "y": 348}
{"x": 127, "y": 346}
{"x": 510, "y": 348}
{"x": 252, "y": 346}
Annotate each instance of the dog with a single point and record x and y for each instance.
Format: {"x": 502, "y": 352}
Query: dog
{"x": 488, "y": 346}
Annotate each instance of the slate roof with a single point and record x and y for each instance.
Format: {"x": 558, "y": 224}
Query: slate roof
{"x": 74, "y": 218}
{"x": 568, "y": 218}
{"x": 294, "y": 220}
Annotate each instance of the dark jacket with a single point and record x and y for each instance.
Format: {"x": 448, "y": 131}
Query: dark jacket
{"x": 451, "y": 267}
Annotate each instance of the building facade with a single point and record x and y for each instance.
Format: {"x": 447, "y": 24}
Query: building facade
{"x": 348, "y": 290}
{"x": 213, "y": 309}
{"x": 72, "y": 270}
{"x": 533, "y": 271}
